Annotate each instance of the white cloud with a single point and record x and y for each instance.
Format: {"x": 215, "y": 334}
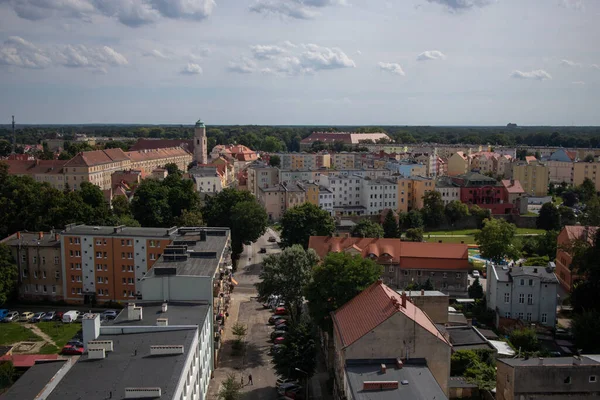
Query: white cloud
{"x": 431, "y": 55}
{"x": 242, "y": 66}
{"x": 156, "y": 54}
{"x": 191, "y": 69}
{"x": 359, "y": 52}
{"x": 263, "y": 52}
{"x": 318, "y": 57}
{"x": 18, "y": 52}
{"x": 538, "y": 74}
{"x": 595, "y": 66}
{"x": 462, "y": 5}
{"x": 572, "y": 4}
{"x": 570, "y": 63}
{"x": 393, "y": 68}
{"x": 298, "y": 9}
{"x": 578, "y": 83}
{"x": 40, "y": 9}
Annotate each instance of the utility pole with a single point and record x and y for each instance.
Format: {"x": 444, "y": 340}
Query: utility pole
{"x": 14, "y": 137}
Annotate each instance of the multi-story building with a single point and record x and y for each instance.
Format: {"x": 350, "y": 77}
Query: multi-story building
{"x": 547, "y": 151}
{"x": 483, "y": 191}
{"x": 548, "y": 378}
{"x": 95, "y": 167}
{"x": 561, "y": 166}
{"x": 277, "y": 199}
{"x": 295, "y": 161}
{"x": 302, "y": 175}
{"x": 347, "y": 194}
{"x": 446, "y": 265}
{"x": 39, "y": 264}
{"x": 346, "y": 138}
{"x": 458, "y": 164}
{"x": 502, "y": 164}
{"x": 236, "y": 152}
{"x": 483, "y": 162}
{"x": 48, "y": 171}
{"x": 378, "y": 195}
{"x": 345, "y": 160}
{"x": 381, "y": 324}
{"x": 312, "y": 193}
{"x": 326, "y": 199}
{"x": 263, "y": 176}
{"x": 533, "y": 176}
{"x": 148, "y": 160}
{"x": 207, "y": 179}
{"x": 442, "y": 167}
{"x": 411, "y": 192}
{"x": 590, "y": 170}
{"x": 407, "y": 169}
{"x": 565, "y": 241}
{"x": 449, "y": 190}
{"x": 523, "y": 293}
{"x": 429, "y": 160}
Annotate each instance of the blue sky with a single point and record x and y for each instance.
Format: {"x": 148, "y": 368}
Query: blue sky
{"x": 401, "y": 62}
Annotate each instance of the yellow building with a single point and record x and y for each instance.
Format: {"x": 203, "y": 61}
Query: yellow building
{"x": 458, "y": 164}
{"x": 411, "y": 192}
{"x": 533, "y": 176}
{"x": 582, "y": 170}
{"x": 344, "y": 160}
{"x": 312, "y": 193}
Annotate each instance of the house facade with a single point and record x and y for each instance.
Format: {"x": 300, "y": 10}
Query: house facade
{"x": 564, "y": 257}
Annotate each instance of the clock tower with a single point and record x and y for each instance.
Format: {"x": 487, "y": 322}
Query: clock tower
{"x": 200, "y": 151}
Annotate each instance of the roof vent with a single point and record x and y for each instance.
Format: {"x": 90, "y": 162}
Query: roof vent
{"x": 383, "y": 368}
{"x": 399, "y": 363}
{"x": 163, "y": 350}
{"x": 96, "y": 354}
{"x": 164, "y": 307}
{"x": 162, "y": 322}
{"x": 142, "y": 393}
{"x": 380, "y": 385}
{"x": 107, "y": 345}
{"x": 535, "y": 270}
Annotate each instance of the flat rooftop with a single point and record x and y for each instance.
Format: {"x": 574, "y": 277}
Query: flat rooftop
{"x": 33, "y": 381}
{"x": 32, "y": 239}
{"x": 466, "y": 338}
{"x": 117, "y": 231}
{"x": 178, "y": 313}
{"x": 426, "y": 293}
{"x": 557, "y": 361}
{"x": 421, "y": 383}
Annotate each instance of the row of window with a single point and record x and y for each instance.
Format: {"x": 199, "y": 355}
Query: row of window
{"x": 521, "y": 298}
{"x": 34, "y": 259}
{"x": 39, "y": 288}
{"x": 528, "y": 316}
{"x": 36, "y": 274}
{"x": 407, "y": 272}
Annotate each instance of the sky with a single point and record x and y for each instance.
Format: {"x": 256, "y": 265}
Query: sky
{"x": 301, "y": 62}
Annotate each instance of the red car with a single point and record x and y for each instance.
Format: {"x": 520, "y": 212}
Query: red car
{"x": 279, "y": 340}
{"x": 73, "y": 348}
{"x": 280, "y": 311}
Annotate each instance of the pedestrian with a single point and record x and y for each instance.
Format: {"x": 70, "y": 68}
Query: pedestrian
{"x": 242, "y": 382}
{"x": 250, "y": 379}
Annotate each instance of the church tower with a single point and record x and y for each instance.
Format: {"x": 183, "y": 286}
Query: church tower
{"x": 200, "y": 151}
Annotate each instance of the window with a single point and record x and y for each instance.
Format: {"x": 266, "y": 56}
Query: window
{"x": 520, "y": 315}
{"x": 124, "y": 281}
{"x": 44, "y": 274}
{"x": 458, "y": 275}
{"x": 130, "y": 268}
{"x": 529, "y": 299}
{"x": 568, "y": 380}
{"x": 45, "y": 289}
{"x": 522, "y": 282}
{"x": 106, "y": 280}
{"x": 130, "y": 255}
{"x": 122, "y": 242}
{"x": 124, "y": 293}
{"x": 35, "y": 275}
{"x": 43, "y": 260}
{"x": 152, "y": 243}
{"x": 78, "y": 290}
{"x": 528, "y": 316}
{"x": 35, "y": 259}
{"x": 77, "y": 241}
{"x": 405, "y": 273}
{"x": 507, "y": 315}
{"x": 100, "y": 280}
{"x": 23, "y": 258}
{"x": 98, "y": 267}
{"x": 105, "y": 255}
{"x": 521, "y": 298}
{"x": 37, "y": 288}
{"x": 544, "y": 318}
{"x": 531, "y": 282}
{"x": 128, "y": 242}
{"x": 71, "y": 253}
{"x": 56, "y": 261}
{"x": 122, "y": 268}
{"x": 506, "y": 298}
{"x": 77, "y": 266}
{"x": 98, "y": 254}
{"x": 122, "y": 255}
{"x": 593, "y": 378}
{"x": 152, "y": 256}
{"x": 418, "y": 273}
{"x": 53, "y": 289}
{"x": 391, "y": 268}
{"x": 72, "y": 278}
{"x": 98, "y": 242}
{"x": 130, "y": 281}
{"x": 70, "y": 240}
{"x": 72, "y": 290}
{"x": 78, "y": 278}
{"x": 77, "y": 253}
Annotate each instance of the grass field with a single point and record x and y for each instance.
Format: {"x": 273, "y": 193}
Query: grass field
{"x": 472, "y": 232}
{"x": 59, "y": 332}
{"x": 14, "y": 332}
{"x": 450, "y": 239}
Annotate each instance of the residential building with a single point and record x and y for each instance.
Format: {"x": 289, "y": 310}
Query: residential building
{"x": 208, "y": 179}
{"x": 296, "y": 161}
{"x": 502, "y": 164}
{"x": 446, "y": 151}
{"x": 483, "y": 162}
{"x": 39, "y": 263}
{"x": 458, "y": 164}
{"x": 442, "y": 167}
{"x": 153, "y": 144}
{"x": 548, "y": 378}
{"x": 148, "y": 160}
{"x": 95, "y": 167}
{"x": 276, "y": 200}
{"x": 348, "y": 192}
{"x": 446, "y": 265}
{"x": 44, "y": 171}
{"x": 377, "y": 195}
{"x": 533, "y": 176}
{"x": 326, "y": 199}
{"x": 564, "y": 255}
{"x": 381, "y": 324}
{"x": 433, "y": 303}
{"x": 39, "y": 378}
{"x": 349, "y": 139}
{"x": 547, "y": 151}
{"x": 237, "y": 152}
{"x": 582, "y": 170}
{"x": 429, "y": 160}
{"x": 302, "y": 175}
{"x": 407, "y": 169}
{"x": 561, "y": 166}
{"x": 522, "y": 293}
{"x": 411, "y": 192}
{"x": 483, "y": 191}
{"x": 263, "y": 176}
{"x": 345, "y": 160}
{"x": 312, "y": 193}
{"x": 514, "y": 194}
{"x": 226, "y": 170}
{"x": 449, "y": 190}
{"x": 129, "y": 178}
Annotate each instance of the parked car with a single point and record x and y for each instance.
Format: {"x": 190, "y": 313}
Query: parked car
{"x": 109, "y": 314}
{"x": 276, "y": 348}
{"x": 287, "y": 386}
{"x": 272, "y": 239}
{"x": 296, "y": 393}
{"x": 281, "y": 322}
{"x": 59, "y": 315}
{"x": 277, "y": 333}
{"x": 25, "y": 316}
{"x": 50, "y": 315}
{"x": 475, "y": 274}
{"x": 279, "y": 340}
{"x": 70, "y": 316}
{"x": 282, "y": 381}
{"x": 262, "y": 250}
{"x": 3, "y": 313}
{"x": 281, "y": 327}
{"x": 38, "y": 316}
{"x": 274, "y": 318}
{"x": 280, "y": 311}
{"x": 12, "y": 316}
{"x": 73, "y": 348}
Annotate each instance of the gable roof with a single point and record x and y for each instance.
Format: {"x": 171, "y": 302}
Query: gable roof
{"x": 371, "y": 308}
{"x": 96, "y": 157}
{"x": 151, "y": 144}
{"x": 513, "y": 186}
{"x": 530, "y": 159}
{"x": 575, "y": 232}
{"x": 32, "y": 167}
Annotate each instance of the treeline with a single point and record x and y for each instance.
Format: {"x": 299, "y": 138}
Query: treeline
{"x": 276, "y": 138}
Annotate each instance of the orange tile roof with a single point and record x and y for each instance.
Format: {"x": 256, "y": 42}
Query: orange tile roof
{"x": 143, "y": 155}
{"x": 575, "y": 232}
{"x": 152, "y": 144}
{"x": 96, "y": 157}
{"x": 371, "y": 308}
{"x": 31, "y": 167}
{"x": 530, "y": 159}
{"x": 514, "y": 187}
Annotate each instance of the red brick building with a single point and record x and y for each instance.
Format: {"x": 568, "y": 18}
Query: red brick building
{"x": 564, "y": 258}
{"x": 486, "y": 192}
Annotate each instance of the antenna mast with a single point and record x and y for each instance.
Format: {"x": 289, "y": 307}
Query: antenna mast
{"x": 14, "y": 137}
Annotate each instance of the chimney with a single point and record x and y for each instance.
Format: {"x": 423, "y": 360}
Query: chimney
{"x": 535, "y": 270}
{"x": 469, "y": 322}
{"x": 56, "y": 237}
{"x": 541, "y": 360}
{"x": 18, "y": 235}
{"x": 403, "y": 299}
{"x": 96, "y": 354}
{"x": 422, "y": 292}
{"x": 383, "y": 368}
{"x": 134, "y": 313}
{"x": 91, "y": 328}
{"x": 41, "y": 235}
{"x": 164, "y": 307}
{"x": 399, "y": 363}
{"x": 162, "y": 322}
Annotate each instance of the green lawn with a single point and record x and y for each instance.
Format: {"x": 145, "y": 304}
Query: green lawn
{"x": 527, "y": 231}
{"x": 49, "y": 349}
{"x": 14, "y": 332}
{"x": 465, "y": 239}
{"x": 59, "y": 332}
{"x": 472, "y": 232}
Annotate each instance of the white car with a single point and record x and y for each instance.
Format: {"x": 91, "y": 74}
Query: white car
{"x": 475, "y": 274}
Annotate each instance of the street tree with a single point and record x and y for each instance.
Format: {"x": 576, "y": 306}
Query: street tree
{"x": 455, "y": 211}
{"x": 299, "y": 351}
{"x": 549, "y": 218}
{"x": 411, "y": 220}
{"x": 231, "y": 389}
{"x": 496, "y": 240}
{"x": 433, "y": 209}
{"x": 8, "y": 273}
{"x": 365, "y": 228}
{"x": 301, "y": 222}
{"x": 475, "y": 290}
{"x": 390, "y": 226}
{"x": 337, "y": 280}
{"x": 287, "y": 274}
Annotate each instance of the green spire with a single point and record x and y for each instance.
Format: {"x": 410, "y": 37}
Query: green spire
{"x": 199, "y": 124}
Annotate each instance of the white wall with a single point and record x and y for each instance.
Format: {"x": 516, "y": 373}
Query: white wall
{"x": 177, "y": 288}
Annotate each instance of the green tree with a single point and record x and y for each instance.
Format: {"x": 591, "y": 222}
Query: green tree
{"x": 5, "y": 148}
{"x": 455, "y": 211}
{"x": 249, "y": 222}
{"x": 461, "y": 360}
{"x": 365, "y": 228}
{"x": 338, "y": 279}
{"x": 475, "y": 290}
{"x": 480, "y": 214}
{"x": 591, "y": 215}
{"x": 287, "y": 274}
{"x": 496, "y": 240}
{"x": 301, "y": 222}
{"x": 150, "y": 204}
{"x": 482, "y": 374}
{"x": 433, "y": 209}
{"x": 8, "y": 374}
{"x": 549, "y": 218}
{"x": 390, "y": 226}
{"x": 230, "y": 389}
{"x": 567, "y": 216}
{"x": 411, "y": 220}
{"x": 120, "y": 206}
{"x": 271, "y": 144}
{"x": 189, "y": 218}
{"x": 587, "y": 190}
{"x": 414, "y": 234}
{"x": 585, "y": 327}
{"x": 8, "y": 273}
{"x": 275, "y": 161}
{"x": 524, "y": 339}
{"x": 589, "y": 158}
{"x": 172, "y": 169}
{"x": 299, "y": 351}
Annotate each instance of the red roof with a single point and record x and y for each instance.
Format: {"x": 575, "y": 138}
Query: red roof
{"x": 530, "y": 159}
{"x": 96, "y": 157}
{"x": 31, "y": 167}
{"x": 152, "y": 144}
{"x": 27, "y": 360}
{"x": 371, "y": 308}
{"x": 576, "y": 232}
{"x": 513, "y": 186}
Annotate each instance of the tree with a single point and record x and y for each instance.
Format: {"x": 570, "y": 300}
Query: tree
{"x": 5, "y": 148}
{"x": 482, "y": 374}
{"x": 301, "y": 222}
{"x": 230, "y": 389}
{"x": 411, "y": 220}
{"x": 570, "y": 198}
{"x": 591, "y": 215}
{"x": 585, "y": 295}
{"x": 275, "y": 161}
{"x": 150, "y": 204}
{"x": 390, "y": 226}
{"x": 475, "y": 290}
{"x": 271, "y": 144}
{"x": 287, "y": 274}
{"x": 567, "y": 216}
{"x": 249, "y": 222}
{"x": 496, "y": 240}
{"x": 433, "y": 209}
{"x": 8, "y": 374}
{"x": 587, "y": 190}
{"x": 414, "y": 234}
{"x": 120, "y": 206}
{"x": 172, "y": 169}
{"x": 365, "y": 228}
{"x": 461, "y": 360}
{"x": 589, "y": 158}
{"x": 299, "y": 351}
{"x": 480, "y": 214}
{"x": 524, "y": 339}
{"x": 585, "y": 328}
{"x": 549, "y": 218}
{"x": 189, "y": 218}
{"x": 455, "y": 211}
{"x": 8, "y": 273}
{"x": 337, "y": 280}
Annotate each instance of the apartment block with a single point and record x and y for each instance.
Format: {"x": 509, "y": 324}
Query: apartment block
{"x": 564, "y": 255}
{"x": 263, "y": 176}
{"x": 590, "y": 170}
{"x": 39, "y": 264}
{"x": 302, "y": 160}
{"x": 411, "y": 192}
{"x": 458, "y": 164}
{"x": 277, "y": 199}
{"x": 378, "y": 195}
{"x": 533, "y": 175}
{"x": 430, "y": 161}
{"x": 407, "y": 169}
{"x": 561, "y": 166}
{"x": 345, "y": 160}
{"x": 149, "y": 160}
{"x": 449, "y": 190}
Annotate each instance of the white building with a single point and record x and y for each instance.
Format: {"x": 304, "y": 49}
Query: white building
{"x": 379, "y": 194}
{"x": 207, "y": 179}
{"x": 326, "y": 199}
{"x": 449, "y": 190}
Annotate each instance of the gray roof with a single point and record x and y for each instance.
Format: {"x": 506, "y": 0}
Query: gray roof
{"x": 33, "y": 381}
{"x": 466, "y": 338}
{"x": 509, "y": 274}
{"x": 421, "y": 383}
{"x": 418, "y": 293}
{"x": 129, "y": 365}
{"x": 178, "y": 313}
{"x": 119, "y": 231}
{"x": 460, "y": 382}
{"x": 203, "y": 256}
{"x": 533, "y": 362}
{"x": 203, "y": 171}
{"x": 33, "y": 239}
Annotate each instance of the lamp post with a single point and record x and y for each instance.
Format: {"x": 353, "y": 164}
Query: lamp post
{"x": 305, "y": 386}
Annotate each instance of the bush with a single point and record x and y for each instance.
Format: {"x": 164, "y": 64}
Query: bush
{"x": 524, "y": 339}
{"x": 536, "y": 261}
